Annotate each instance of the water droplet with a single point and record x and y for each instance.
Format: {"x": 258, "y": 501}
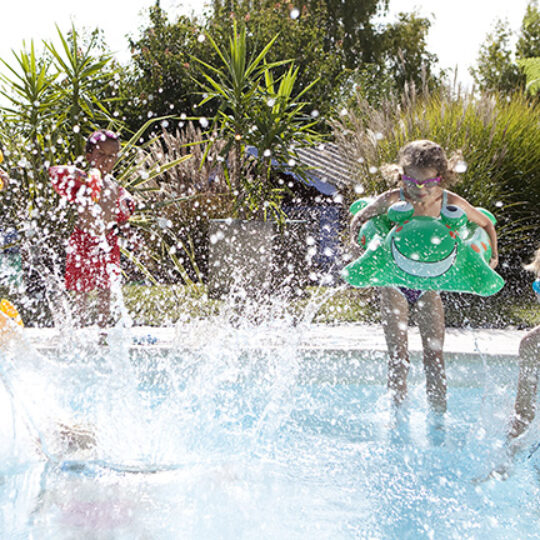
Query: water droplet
{"x": 291, "y": 163}
{"x": 267, "y": 153}
{"x": 271, "y": 102}
{"x": 315, "y": 113}
{"x": 461, "y": 167}
{"x": 162, "y": 222}
{"x": 358, "y": 189}
{"x": 76, "y": 129}
{"x": 373, "y": 170}
{"x": 201, "y": 38}
{"x": 204, "y": 122}
{"x": 294, "y": 13}
{"x": 379, "y": 136}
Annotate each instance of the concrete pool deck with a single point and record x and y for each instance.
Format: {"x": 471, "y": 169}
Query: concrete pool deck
{"x": 491, "y": 342}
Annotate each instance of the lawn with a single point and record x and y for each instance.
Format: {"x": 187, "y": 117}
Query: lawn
{"x": 165, "y": 305}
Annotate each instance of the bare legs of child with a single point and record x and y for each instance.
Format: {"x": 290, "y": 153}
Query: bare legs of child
{"x": 82, "y": 308}
{"x": 395, "y": 317}
{"x": 529, "y": 364}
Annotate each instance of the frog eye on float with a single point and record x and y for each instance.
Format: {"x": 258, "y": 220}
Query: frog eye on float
{"x": 453, "y": 216}
{"x": 400, "y": 211}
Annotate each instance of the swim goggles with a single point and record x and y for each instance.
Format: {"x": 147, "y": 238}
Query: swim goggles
{"x": 422, "y": 183}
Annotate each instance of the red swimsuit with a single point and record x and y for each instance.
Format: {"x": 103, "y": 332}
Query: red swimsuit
{"x": 91, "y": 260}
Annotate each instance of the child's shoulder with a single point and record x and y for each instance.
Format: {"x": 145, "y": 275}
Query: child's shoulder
{"x": 454, "y": 198}
{"x": 391, "y": 194}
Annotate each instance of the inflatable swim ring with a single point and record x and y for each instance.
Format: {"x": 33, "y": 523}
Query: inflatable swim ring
{"x": 447, "y": 253}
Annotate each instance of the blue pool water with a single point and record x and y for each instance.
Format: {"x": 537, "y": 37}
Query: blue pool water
{"x": 226, "y": 441}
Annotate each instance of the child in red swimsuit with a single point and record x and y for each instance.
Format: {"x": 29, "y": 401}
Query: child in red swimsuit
{"x": 93, "y": 253}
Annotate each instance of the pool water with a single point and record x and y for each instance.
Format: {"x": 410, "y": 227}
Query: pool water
{"x": 230, "y": 441}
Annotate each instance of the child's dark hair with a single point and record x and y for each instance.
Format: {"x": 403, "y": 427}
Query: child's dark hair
{"x": 424, "y": 154}
{"x": 99, "y": 136}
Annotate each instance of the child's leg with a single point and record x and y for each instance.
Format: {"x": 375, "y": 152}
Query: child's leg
{"x": 81, "y": 305}
{"x": 395, "y": 316}
{"x": 104, "y": 307}
{"x": 529, "y": 362}
{"x": 431, "y": 325}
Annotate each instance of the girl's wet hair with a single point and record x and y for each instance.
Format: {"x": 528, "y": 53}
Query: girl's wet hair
{"x": 424, "y": 154}
{"x": 99, "y": 136}
{"x": 534, "y": 265}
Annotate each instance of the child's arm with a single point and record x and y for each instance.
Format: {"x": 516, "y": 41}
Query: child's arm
{"x": 379, "y": 206}
{"x": 480, "y": 219}
{"x": 125, "y": 206}
{"x": 68, "y": 182}
{"x": 4, "y": 180}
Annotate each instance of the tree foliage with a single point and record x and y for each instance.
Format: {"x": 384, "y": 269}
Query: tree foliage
{"x": 336, "y": 42}
{"x": 259, "y": 109}
{"x": 498, "y": 66}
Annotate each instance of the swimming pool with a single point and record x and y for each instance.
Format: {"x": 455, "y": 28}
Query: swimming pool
{"x": 227, "y": 441}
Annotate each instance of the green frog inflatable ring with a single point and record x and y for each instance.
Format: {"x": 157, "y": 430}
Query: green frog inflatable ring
{"x": 447, "y": 253}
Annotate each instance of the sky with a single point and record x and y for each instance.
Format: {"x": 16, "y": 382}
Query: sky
{"x": 459, "y": 26}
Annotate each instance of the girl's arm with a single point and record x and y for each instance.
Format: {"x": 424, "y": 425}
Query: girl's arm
{"x": 475, "y": 216}
{"x": 125, "y": 205}
{"x": 379, "y": 206}
{"x": 68, "y": 182}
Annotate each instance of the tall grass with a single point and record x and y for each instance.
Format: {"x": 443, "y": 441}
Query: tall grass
{"x": 498, "y": 135}
{"x": 180, "y": 202}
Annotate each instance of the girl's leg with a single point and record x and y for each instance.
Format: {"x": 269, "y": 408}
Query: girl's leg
{"x": 431, "y": 325}
{"x": 104, "y": 307}
{"x": 529, "y": 362}
{"x": 395, "y": 316}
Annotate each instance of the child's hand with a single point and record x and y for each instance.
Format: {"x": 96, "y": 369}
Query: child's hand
{"x": 494, "y": 261}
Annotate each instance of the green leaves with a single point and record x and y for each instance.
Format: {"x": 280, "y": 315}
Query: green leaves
{"x": 531, "y": 68}
{"x": 255, "y": 109}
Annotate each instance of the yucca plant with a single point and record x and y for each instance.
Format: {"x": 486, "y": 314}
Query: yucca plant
{"x": 54, "y": 102}
{"x": 255, "y": 109}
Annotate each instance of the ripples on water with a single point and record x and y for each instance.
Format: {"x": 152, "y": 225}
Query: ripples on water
{"x": 239, "y": 433}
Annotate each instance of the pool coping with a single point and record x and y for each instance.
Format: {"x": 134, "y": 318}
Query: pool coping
{"x": 314, "y": 337}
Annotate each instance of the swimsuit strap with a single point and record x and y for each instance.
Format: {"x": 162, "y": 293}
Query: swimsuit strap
{"x": 444, "y": 197}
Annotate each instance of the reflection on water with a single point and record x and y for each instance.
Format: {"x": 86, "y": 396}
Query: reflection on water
{"x": 230, "y": 437}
